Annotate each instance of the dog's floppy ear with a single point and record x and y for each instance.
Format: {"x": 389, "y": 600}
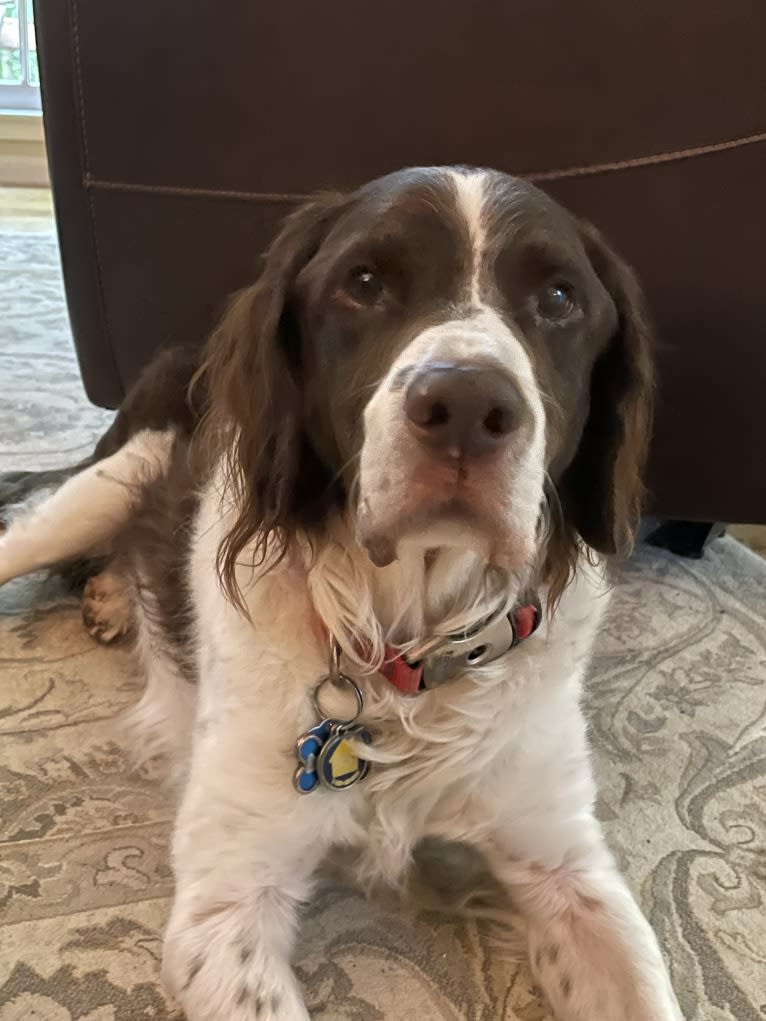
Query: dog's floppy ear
{"x": 275, "y": 482}
{"x": 602, "y": 491}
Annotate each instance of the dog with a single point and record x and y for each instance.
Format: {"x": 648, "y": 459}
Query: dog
{"x": 377, "y": 524}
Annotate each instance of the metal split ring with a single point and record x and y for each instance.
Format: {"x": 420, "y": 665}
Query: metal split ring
{"x": 337, "y": 680}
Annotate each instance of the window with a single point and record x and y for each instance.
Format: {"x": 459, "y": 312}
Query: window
{"x": 19, "y": 77}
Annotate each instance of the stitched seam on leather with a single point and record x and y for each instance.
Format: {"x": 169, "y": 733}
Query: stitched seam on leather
{"x": 586, "y": 170}
{"x": 85, "y": 161}
{"x": 179, "y": 190}
{"x": 674, "y": 156}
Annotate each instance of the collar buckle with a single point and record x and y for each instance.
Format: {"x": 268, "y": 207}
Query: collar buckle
{"x": 482, "y": 645}
{"x": 459, "y": 653}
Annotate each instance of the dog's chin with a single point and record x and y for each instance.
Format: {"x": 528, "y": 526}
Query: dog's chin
{"x": 454, "y": 526}
{"x": 384, "y": 547}
{"x": 403, "y": 527}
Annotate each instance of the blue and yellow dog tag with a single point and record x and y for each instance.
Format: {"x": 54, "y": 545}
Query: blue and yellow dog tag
{"x": 338, "y": 765}
{"x": 327, "y": 758}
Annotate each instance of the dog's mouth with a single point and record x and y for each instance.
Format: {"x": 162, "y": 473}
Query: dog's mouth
{"x": 450, "y": 523}
{"x": 452, "y": 504}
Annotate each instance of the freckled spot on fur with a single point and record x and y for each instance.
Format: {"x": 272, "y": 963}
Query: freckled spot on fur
{"x": 275, "y": 1003}
{"x": 552, "y": 952}
{"x": 245, "y": 953}
{"x": 258, "y": 1006}
{"x": 243, "y": 994}
{"x": 210, "y": 911}
{"x": 539, "y": 958}
{"x": 566, "y": 986}
{"x": 195, "y": 969}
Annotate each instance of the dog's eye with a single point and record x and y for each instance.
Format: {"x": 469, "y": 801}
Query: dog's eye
{"x": 363, "y": 286}
{"x": 556, "y": 302}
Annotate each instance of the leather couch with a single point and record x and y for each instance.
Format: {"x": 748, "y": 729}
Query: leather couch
{"x": 179, "y": 134}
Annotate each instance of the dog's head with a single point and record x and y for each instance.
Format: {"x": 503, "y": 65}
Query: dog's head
{"x": 453, "y": 358}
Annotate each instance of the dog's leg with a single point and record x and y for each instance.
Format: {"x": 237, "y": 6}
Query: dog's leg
{"x": 245, "y": 848}
{"x": 590, "y": 947}
{"x": 16, "y": 488}
{"x": 87, "y": 511}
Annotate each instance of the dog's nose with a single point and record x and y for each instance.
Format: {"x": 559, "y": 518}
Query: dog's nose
{"x": 463, "y": 409}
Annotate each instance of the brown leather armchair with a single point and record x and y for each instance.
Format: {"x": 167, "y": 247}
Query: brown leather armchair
{"x": 178, "y": 138}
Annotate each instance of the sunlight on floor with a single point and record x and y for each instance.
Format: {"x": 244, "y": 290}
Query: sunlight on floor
{"x": 26, "y": 208}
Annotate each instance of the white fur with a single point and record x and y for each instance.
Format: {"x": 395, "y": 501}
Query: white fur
{"x": 86, "y": 511}
{"x": 161, "y": 722}
{"x": 470, "y": 186}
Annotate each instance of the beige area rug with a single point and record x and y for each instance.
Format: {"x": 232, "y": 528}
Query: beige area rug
{"x": 677, "y": 702}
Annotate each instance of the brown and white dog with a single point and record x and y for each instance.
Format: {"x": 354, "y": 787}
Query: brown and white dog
{"x": 430, "y": 411}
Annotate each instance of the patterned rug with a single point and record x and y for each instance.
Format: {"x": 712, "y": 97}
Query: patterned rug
{"x": 45, "y": 420}
{"x": 676, "y": 699}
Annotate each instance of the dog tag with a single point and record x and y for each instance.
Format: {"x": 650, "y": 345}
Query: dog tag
{"x": 327, "y": 758}
{"x": 338, "y": 766}
{"x": 308, "y": 747}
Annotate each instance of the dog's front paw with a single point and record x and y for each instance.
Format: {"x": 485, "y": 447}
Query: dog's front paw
{"x": 106, "y": 607}
{"x": 232, "y": 980}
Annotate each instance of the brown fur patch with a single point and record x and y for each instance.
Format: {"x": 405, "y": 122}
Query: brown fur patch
{"x": 159, "y": 399}
{"x": 107, "y": 611}
{"x": 154, "y": 548}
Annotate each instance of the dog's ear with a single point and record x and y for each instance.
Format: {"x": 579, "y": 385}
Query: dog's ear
{"x": 601, "y": 491}
{"x": 275, "y": 483}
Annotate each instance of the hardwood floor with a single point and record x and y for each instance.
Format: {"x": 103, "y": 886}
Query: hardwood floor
{"x": 753, "y": 536}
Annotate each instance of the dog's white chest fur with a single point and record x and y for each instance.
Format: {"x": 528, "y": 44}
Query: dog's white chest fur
{"x": 440, "y": 759}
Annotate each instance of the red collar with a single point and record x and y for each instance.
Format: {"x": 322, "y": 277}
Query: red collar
{"x": 408, "y": 678}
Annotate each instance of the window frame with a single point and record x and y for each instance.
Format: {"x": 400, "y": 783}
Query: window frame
{"x": 23, "y": 95}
